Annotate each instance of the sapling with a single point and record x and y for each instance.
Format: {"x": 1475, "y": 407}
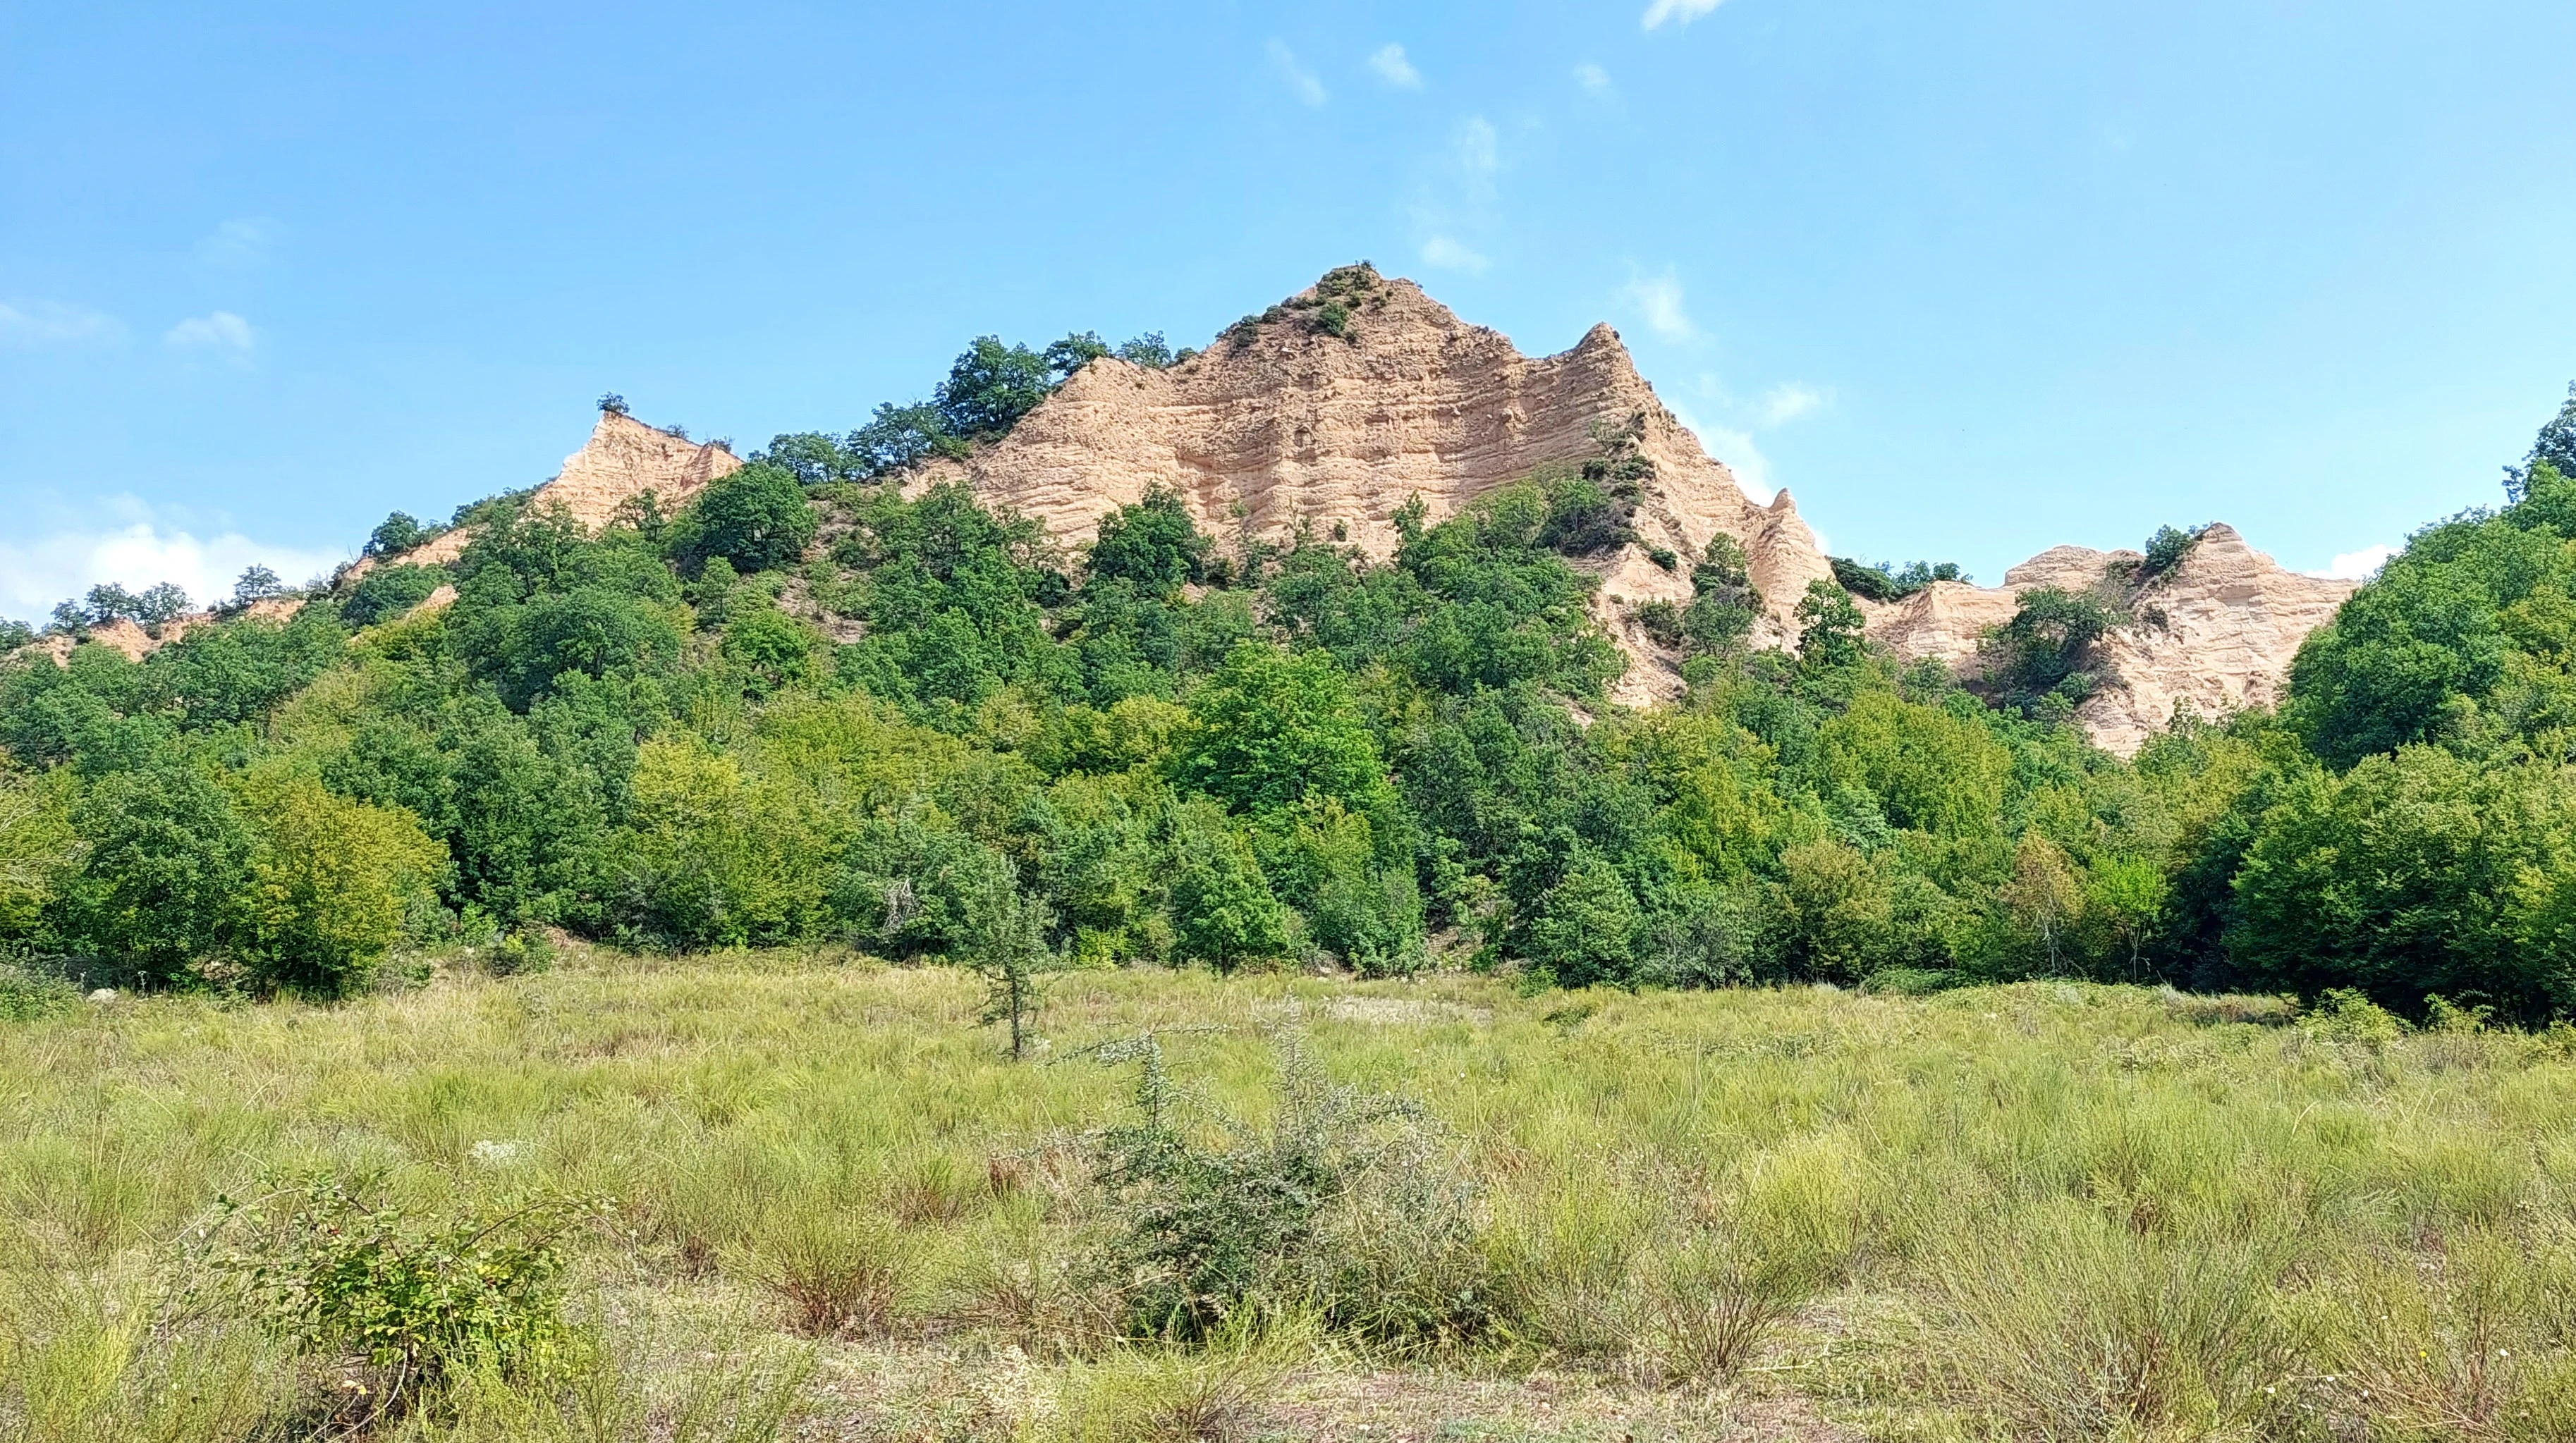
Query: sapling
{"x": 1012, "y": 956}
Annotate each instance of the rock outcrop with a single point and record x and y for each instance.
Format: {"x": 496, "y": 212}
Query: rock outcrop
{"x": 2218, "y": 631}
{"x": 623, "y": 459}
{"x": 1284, "y": 424}
{"x": 137, "y": 643}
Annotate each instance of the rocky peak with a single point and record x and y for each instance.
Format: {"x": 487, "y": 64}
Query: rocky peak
{"x": 623, "y": 459}
{"x": 2217, "y": 631}
{"x": 1334, "y": 420}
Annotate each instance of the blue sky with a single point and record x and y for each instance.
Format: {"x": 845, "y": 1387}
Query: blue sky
{"x": 1971, "y": 279}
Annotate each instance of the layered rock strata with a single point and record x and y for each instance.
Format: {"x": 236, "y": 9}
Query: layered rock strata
{"x": 2217, "y": 632}
{"x": 1285, "y": 425}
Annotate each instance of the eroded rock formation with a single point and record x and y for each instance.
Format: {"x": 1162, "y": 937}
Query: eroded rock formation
{"x": 2217, "y": 631}
{"x": 1286, "y": 425}
{"x": 623, "y": 459}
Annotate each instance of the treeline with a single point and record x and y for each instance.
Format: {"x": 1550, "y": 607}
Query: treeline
{"x": 808, "y": 708}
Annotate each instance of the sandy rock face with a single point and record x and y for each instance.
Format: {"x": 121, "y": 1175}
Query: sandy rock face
{"x": 2232, "y": 621}
{"x": 1291, "y": 426}
{"x": 623, "y": 459}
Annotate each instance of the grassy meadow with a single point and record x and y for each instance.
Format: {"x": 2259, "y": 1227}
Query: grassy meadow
{"x": 818, "y": 1200}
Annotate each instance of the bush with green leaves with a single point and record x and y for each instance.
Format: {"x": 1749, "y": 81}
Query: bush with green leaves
{"x": 1886, "y": 581}
{"x": 756, "y": 518}
{"x": 396, "y": 534}
{"x": 2049, "y": 647}
{"x": 1153, "y": 545}
{"x": 419, "y": 1299}
{"x": 1344, "y": 1203}
{"x": 2166, "y": 549}
{"x": 389, "y": 592}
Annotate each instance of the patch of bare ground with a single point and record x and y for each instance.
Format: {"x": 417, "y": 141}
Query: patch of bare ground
{"x": 935, "y": 1393}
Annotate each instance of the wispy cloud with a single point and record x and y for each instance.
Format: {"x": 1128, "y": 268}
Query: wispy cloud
{"x": 144, "y": 552}
{"x": 221, "y": 331}
{"x": 1477, "y": 148}
{"x": 1302, "y": 82}
{"x": 1684, "y": 11}
{"x": 239, "y": 242}
{"x": 1593, "y": 79}
{"x": 1786, "y": 403}
{"x": 2358, "y": 565}
{"x": 1659, "y": 300}
{"x": 1450, "y": 255}
{"x": 1735, "y": 449}
{"x": 49, "y": 323}
{"x": 1392, "y": 67}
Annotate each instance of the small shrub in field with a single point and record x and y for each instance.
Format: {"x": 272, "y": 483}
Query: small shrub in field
{"x": 1910, "y": 981}
{"x": 341, "y": 1278}
{"x": 1210, "y": 1237}
{"x": 1717, "y": 1301}
{"x": 2462, "y": 1347}
{"x": 837, "y": 1272}
{"x": 2345, "y": 1015}
{"x": 2206, "y": 1010}
{"x": 1156, "y": 1395}
{"x": 2075, "y": 1326}
{"x": 29, "y": 996}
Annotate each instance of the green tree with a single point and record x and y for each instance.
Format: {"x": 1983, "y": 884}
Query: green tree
{"x": 990, "y": 387}
{"x": 2167, "y": 548}
{"x": 1152, "y": 544}
{"x": 396, "y": 534}
{"x": 1223, "y": 912}
{"x": 331, "y": 881}
{"x": 257, "y": 583}
{"x": 2049, "y": 648}
{"x": 1586, "y": 930}
{"x": 813, "y": 458}
{"x": 1271, "y": 729}
{"x": 166, "y": 879}
{"x": 757, "y": 518}
{"x": 1077, "y": 350}
{"x": 389, "y": 592}
{"x": 1829, "y": 626}
{"x": 2416, "y": 873}
{"x": 1011, "y": 956}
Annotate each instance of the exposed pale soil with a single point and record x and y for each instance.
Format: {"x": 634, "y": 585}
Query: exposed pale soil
{"x": 2216, "y": 633}
{"x": 1294, "y": 427}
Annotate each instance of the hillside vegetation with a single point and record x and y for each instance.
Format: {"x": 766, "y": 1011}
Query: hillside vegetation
{"x": 805, "y": 712}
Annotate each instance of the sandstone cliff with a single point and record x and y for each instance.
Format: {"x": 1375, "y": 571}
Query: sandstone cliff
{"x": 2218, "y": 631}
{"x": 623, "y": 459}
{"x": 1285, "y": 424}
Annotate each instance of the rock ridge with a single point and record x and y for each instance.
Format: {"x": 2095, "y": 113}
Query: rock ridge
{"x": 2217, "y": 633}
{"x": 1283, "y": 424}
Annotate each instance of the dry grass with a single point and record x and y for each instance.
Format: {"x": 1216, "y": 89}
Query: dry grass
{"x": 2048, "y": 1211}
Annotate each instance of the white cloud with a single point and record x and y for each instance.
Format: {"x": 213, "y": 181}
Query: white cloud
{"x": 1684, "y": 11}
{"x": 1786, "y": 403}
{"x": 36, "y": 574}
{"x": 223, "y": 331}
{"x": 2358, "y": 565}
{"x": 1477, "y": 147}
{"x": 1391, "y": 66}
{"x": 1450, "y": 255}
{"x": 1304, "y": 82}
{"x": 241, "y": 242}
{"x": 39, "y": 323}
{"x": 1752, "y": 469}
{"x": 1659, "y": 300}
{"x": 1593, "y": 79}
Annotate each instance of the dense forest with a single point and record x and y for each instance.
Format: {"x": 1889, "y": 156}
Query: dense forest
{"x": 810, "y": 709}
